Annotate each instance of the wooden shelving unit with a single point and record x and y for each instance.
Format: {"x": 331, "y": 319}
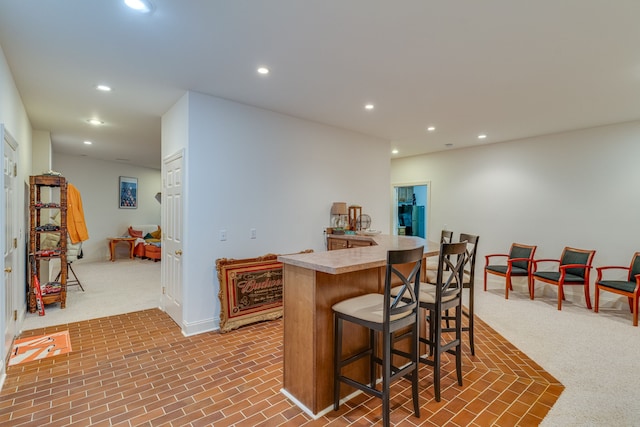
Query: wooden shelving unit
{"x": 39, "y": 210}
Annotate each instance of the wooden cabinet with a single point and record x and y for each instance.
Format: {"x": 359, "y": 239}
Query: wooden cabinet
{"x": 405, "y": 194}
{"x": 359, "y": 243}
{"x": 39, "y": 215}
{"x": 335, "y": 244}
{"x": 346, "y": 242}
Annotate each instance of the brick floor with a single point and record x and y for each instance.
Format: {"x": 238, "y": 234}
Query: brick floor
{"x": 138, "y": 369}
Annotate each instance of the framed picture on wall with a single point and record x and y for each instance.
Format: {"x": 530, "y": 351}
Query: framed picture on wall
{"x": 128, "y": 192}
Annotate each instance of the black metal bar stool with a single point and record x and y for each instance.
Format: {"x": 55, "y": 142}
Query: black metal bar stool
{"x": 383, "y": 314}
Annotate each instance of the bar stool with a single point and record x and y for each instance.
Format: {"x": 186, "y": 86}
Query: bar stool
{"x": 438, "y": 299}
{"x": 386, "y": 315}
{"x": 468, "y": 281}
{"x": 430, "y": 268}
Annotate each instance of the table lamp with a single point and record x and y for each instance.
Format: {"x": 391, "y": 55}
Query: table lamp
{"x": 338, "y": 214}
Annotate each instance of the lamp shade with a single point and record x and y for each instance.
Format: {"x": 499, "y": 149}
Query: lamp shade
{"x": 339, "y": 208}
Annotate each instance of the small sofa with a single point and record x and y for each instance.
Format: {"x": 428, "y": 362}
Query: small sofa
{"x": 148, "y": 238}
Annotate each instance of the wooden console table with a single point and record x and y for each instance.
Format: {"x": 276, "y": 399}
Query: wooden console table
{"x": 313, "y": 283}
{"x": 112, "y": 245}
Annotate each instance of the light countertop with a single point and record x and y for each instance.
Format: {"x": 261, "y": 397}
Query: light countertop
{"x": 359, "y": 258}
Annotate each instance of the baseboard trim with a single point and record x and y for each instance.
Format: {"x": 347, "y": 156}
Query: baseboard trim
{"x": 200, "y": 327}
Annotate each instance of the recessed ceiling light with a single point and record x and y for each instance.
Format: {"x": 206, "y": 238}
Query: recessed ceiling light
{"x": 431, "y": 128}
{"x": 482, "y": 136}
{"x": 368, "y": 106}
{"x": 88, "y": 143}
{"x": 103, "y": 88}
{"x": 263, "y": 70}
{"x": 394, "y": 151}
{"x": 95, "y": 122}
{"x": 143, "y": 6}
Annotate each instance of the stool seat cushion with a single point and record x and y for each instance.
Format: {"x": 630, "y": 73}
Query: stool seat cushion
{"x": 367, "y": 307}
{"x": 427, "y": 294}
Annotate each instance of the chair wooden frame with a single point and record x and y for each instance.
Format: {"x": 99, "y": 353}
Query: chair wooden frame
{"x": 508, "y": 271}
{"x": 565, "y": 275}
{"x": 621, "y": 287}
{"x": 399, "y": 312}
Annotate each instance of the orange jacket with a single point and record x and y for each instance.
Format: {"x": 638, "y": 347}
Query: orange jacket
{"x": 76, "y": 227}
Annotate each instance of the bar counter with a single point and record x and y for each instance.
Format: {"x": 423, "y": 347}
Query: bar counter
{"x": 313, "y": 283}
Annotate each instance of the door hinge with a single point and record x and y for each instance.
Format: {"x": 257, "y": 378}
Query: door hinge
{"x": 164, "y": 290}
{"x": 15, "y": 169}
{"x": 15, "y": 243}
{"x": 15, "y": 315}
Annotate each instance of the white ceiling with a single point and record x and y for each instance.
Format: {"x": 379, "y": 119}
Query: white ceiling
{"x": 508, "y": 68}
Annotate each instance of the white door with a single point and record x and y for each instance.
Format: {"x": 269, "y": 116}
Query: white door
{"x": 172, "y": 201}
{"x": 11, "y": 273}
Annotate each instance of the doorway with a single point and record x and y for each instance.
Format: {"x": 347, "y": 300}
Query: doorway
{"x": 410, "y": 210}
{"x": 172, "y": 210}
{"x": 9, "y": 217}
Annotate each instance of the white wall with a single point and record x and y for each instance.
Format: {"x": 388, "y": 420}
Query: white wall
{"x": 575, "y": 189}
{"x": 252, "y": 168}
{"x": 97, "y": 181}
{"x": 42, "y": 152}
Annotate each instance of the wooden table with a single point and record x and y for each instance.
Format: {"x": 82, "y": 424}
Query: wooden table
{"x": 313, "y": 283}
{"x": 114, "y": 240}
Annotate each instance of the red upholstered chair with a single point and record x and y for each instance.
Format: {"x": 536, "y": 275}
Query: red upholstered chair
{"x": 519, "y": 263}
{"x": 574, "y": 269}
{"x": 153, "y": 252}
{"x": 139, "y": 250}
{"x": 629, "y": 288}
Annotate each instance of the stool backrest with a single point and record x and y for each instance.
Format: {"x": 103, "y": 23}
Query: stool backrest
{"x": 406, "y": 301}
{"x": 451, "y": 263}
{"x": 446, "y": 236}
{"x": 470, "y": 263}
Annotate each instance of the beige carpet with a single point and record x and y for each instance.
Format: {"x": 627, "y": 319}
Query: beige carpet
{"x": 110, "y": 288}
{"x": 595, "y": 356}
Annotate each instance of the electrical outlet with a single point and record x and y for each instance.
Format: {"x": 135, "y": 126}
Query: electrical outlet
{"x": 223, "y": 235}
{"x": 252, "y": 233}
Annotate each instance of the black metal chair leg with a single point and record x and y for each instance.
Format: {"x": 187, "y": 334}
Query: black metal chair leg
{"x": 337, "y": 357}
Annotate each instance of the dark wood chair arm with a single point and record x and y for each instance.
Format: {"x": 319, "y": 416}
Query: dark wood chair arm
{"x": 512, "y": 260}
{"x": 486, "y": 257}
{"x": 546, "y": 260}
{"x": 601, "y": 270}
{"x": 568, "y": 266}
{"x": 565, "y": 267}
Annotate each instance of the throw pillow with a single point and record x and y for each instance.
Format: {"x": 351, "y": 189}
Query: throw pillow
{"x": 157, "y": 234}
{"x": 135, "y": 233}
